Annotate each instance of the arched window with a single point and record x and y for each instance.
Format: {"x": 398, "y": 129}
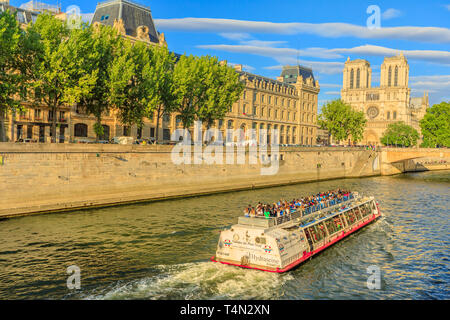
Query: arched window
{"x": 396, "y": 76}
{"x": 351, "y": 79}
{"x": 358, "y": 77}
{"x": 80, "y": 130}
{"x": 389, "y": 76}
{"x": 105, "y": 135}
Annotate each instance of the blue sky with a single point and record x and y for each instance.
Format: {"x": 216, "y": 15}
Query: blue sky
{"x": 263, "y": 35}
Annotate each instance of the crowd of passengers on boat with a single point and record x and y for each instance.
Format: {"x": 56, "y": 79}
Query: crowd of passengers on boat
{"x": 306, "y": 205}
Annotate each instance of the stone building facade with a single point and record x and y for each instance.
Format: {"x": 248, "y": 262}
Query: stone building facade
{"x": 288, "y": 103}
{"x": 389, "y": 103}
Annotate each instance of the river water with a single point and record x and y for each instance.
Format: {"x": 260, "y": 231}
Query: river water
{"x": 160, "y": 250}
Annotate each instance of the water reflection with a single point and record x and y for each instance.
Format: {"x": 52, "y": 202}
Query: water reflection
{"x": 160, "y": 250}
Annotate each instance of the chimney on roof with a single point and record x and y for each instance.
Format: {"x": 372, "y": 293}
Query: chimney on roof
{"x": 238, "y": 67}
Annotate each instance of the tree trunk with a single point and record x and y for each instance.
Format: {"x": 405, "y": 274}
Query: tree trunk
{"x": 54, "y": 125}
{"x": 157, "y": 125}
{"x": 99, "y": 123}
{"x": 2, "y": 126}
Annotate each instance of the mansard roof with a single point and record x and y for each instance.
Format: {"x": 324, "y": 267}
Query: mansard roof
{"x": 132, "y": 14}
{"x": 290, "y": 73}
{"x": 252, "y": 77}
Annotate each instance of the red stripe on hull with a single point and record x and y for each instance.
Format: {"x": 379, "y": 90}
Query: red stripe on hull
{"x": 309, "y": 254}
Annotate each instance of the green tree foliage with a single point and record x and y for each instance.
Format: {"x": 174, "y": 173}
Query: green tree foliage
{"x": 400, "y": 134}
{"x": 342, "y": 121}
{"x": 92, "y": 52}
{"x": 435, "y": 126}
{"x": 163, "y": 92}
{"x": 223, "y": 88}
{"x": 10, "y": 35}
{"x": 48, "y": 66}
{"x": 206, "y": 89}
{"x": 132, "y": 83}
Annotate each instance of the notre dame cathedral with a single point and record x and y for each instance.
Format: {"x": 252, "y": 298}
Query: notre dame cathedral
{"x": 390, "y": 102}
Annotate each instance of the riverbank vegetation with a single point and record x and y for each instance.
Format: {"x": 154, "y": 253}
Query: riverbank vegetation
{"x": 342, "y": 121}
{"x": 400, "y": 134}
{"x": 435, "y": 126}
{"x": 50, "y": 64}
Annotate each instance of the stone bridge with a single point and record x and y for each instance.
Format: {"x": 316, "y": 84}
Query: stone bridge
{"x": 398, "y": 160}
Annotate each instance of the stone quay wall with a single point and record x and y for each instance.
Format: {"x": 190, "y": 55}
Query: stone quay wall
{"x": 36, "y": 178}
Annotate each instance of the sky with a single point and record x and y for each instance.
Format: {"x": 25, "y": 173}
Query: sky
{"x": 265, "y": 35}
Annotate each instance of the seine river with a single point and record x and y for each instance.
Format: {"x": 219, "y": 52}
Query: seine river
{"x": 161, "y": 250}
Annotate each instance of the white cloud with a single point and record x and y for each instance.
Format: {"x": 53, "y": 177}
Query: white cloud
{"x": 435, "y": 56}
{"x": 333, "y": 93}
{"x": 328, "y": 30}
{"x": 324, "y": 67}
{"x": 391, "y": 13}
{"x": 266, "y": 48}
{"x": 289, "y": 55}
{"x": 260, "y": 43}
{"x": 330, "y": 85}
{"x": 437, "y": 85}
{"x": 235, "y": 36}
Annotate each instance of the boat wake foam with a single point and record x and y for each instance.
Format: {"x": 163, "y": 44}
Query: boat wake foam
{"x": 202, "y": 280}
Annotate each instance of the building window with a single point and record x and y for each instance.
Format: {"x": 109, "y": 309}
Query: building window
{"x": 254, "y": 111}
{"x": 29, "y": 132}
{"x": 270, "y": 99}
{"x": 105, "y": 135}
{"x": 351, "y": 78}
{"x": 394, "y": 115}
{"x": 396, "y": 76}
{"x": 276, "y": 114}
{"x": 80, "y": 130}
{"x": 178, "y": 121}
{"x": 37, "y": 114}
{"x": 126, "y": 131}
{"x": 358, "y": 77}
{"x": 389, "y": 76}
{"x": 388, "y": 115}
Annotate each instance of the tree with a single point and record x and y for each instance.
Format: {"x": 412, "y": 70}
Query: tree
{"x": 342, "y": 121}
{"x": 10, "y": 35}
{"x": 164, "y": 97}
{"x": 92, "y": 52}
{"x": 400, "y": 134}
{"x": 223, "y": 88}
{"x": 47, "y": 68}
{"x": 435, "y": 126}
{"x": 190, "y": 92}
{"x": 206, "y": 89}
{"x": 132, "y": 83}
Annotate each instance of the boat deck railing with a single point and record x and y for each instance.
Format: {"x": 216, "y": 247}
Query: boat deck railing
{"x": 263, "y": 221}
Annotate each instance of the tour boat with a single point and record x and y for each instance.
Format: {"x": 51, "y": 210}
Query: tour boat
{"x": 279, "y": 244}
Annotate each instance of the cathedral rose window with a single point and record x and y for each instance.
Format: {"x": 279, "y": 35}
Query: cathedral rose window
{"x": 372, "y": 112}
